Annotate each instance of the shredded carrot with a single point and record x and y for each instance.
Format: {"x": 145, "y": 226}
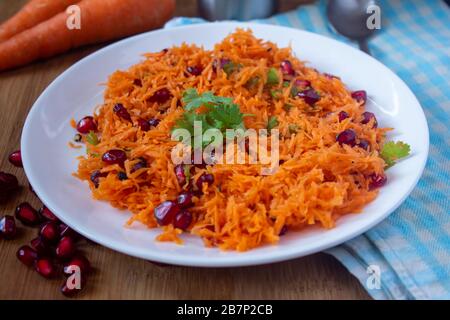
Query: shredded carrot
{"x": 73, "y": 123}
{"x": 318, "y": 181}
{"x": 74, "y": 146}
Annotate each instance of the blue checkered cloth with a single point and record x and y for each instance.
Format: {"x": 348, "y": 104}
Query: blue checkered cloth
{"x": 411, "y": 247}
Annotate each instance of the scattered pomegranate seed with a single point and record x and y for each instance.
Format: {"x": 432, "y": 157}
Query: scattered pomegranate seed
{"x": 181, "y": 176}
{"x": 114, "y": 156}
{"x": 40, "y": 246}
{"x": 50, "y": 232}
{"x": 81, "y": 262}
{"x": 309, "y": 95}
{"x": 65, "y": 248}
{"x": 47, "y": 214}
{"x": 96, "y": 175}
{"x": 8, "y": 229}
{"x": 8, "y": 183}
{"x": 377, "y": 181}
{"x": 367, "y": 117}
{"x": 70, "y": 292}
{"x": 26, "y": 214}
{"x": 303, "y": 84}
{"x": 121, "y": 112}
{"x": 160, "y": 96}
{"x": 45, "y": 267}
{"x": 27, "y": 255}
{"x": 283, "y": 230}
{"x": 66, "y": 231}
{"x": 15, "y": 158}
{"x": 204, "y": 178}
{"x": 224, "y": 62}
{"x": 86, "y": 124}
{"x": 194, "y": 70}
{"x": 182, "y": 220}
{"x": 139, "y": 165}
{"x": 347, "y": 137}
{"x": 143, "y": 124}
{"x": 184, "y": 199}
{"x": 166, "y": 212}
{"x": 343, "y": 115}
{"x": 364, "y": 144}
{"x": 360, "y": 96}
{"x": 154, "y": 122}
{"x": 286, "y": 68}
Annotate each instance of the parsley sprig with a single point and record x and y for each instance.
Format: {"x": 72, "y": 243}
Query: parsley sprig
{"x": 220, "y": 112}
{"x": 393, "y": 151}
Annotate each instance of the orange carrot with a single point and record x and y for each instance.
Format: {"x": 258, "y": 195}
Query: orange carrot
{"x": 101, "y": 20}
{"x": 34, "y": 12}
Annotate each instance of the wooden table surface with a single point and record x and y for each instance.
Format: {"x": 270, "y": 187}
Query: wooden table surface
{"x": 118, "y": 276}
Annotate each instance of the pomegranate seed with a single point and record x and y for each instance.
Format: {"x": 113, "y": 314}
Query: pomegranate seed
{"x": 224, "y": 62}
{"x": 26, "y": 214}
{"x": 204, "y": 178}
{"x": 286, "y": 68}
{"x": 86, "y": 124}
{"x": 342, "y": 116}
{"x": 377, "y": 181}
{"x": 45, "y": 267}
{"x": 81, "y": 262}
{"x": 194, "y": 70}
{"x": 40, "y": 246}
{"x": 66, "y": 231}
{"x": 347, "y": 137}
{"x": 154, "y": 122}
{"x": 364, "y": 144}
{"x": 367, "y": 117}
{"x": 8, "y": 229}
{"x": 8, "y": 183}
{"x": 182, "y": 220}
{"x": 181, "y": 176}
{"x": 96, "y": 175}
{"x": 139, "y": 165}
{"x": 27, "y": 255}
{"x": 65, "y": 248}
{"x": 360, "y": 96}
{"x": 309, "y": 95}
{"x": 49, "y": 232}
{"x": 121, "y": 112}
{"x": 184, "y": 199}
{"x": 302, "y": 83}
{"x": 160, "y": 96}
{"x": 15, "y": 158}
{"x": 143, "y": 124}
{"x": 47, "y": 214}
{"x": 166, "y": 212}
{"x": 283, "y": 230}
{"x": 114, "y": 156}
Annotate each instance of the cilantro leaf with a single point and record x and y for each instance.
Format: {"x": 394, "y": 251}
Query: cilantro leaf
{"x": 92, "y": 138}
{"x": 272, "y": 77}
{"x": 392, "y": 151}
{"x": 272, "y": 123}
{"x": 230, "y": 67}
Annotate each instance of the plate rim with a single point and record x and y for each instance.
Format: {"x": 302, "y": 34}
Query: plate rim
{"x": 275, "y": 256}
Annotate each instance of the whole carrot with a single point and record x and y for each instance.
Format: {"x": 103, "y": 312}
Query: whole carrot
{"x": 32, "y": 13}
{"x": 101, "y": 20}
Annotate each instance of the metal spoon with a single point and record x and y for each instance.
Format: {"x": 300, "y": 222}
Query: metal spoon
{"x": 349, "y": 18}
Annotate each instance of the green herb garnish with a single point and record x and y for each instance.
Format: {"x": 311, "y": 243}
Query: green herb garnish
{"x": 231, "y": 67}
{"x": 293, "y": 128}
{"x": 276, "y": 94}
{"x": 272, "y": 123}
{"x": 272, "y": 77}
{"x": 286, "y": 84}
{"x": 221, "y": 112}
{"x": 92, "y": 138}
{"x": 252, "y": 82}
{"x": 393, "y": 151}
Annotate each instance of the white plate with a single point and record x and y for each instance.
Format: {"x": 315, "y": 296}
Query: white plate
{"x": 49, "y": 163}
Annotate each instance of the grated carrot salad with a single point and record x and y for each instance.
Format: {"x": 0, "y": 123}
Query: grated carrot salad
{"x": 318, "y": 181}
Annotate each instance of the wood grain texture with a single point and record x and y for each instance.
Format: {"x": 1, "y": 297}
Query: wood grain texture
{"x": 118, "y": 276}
